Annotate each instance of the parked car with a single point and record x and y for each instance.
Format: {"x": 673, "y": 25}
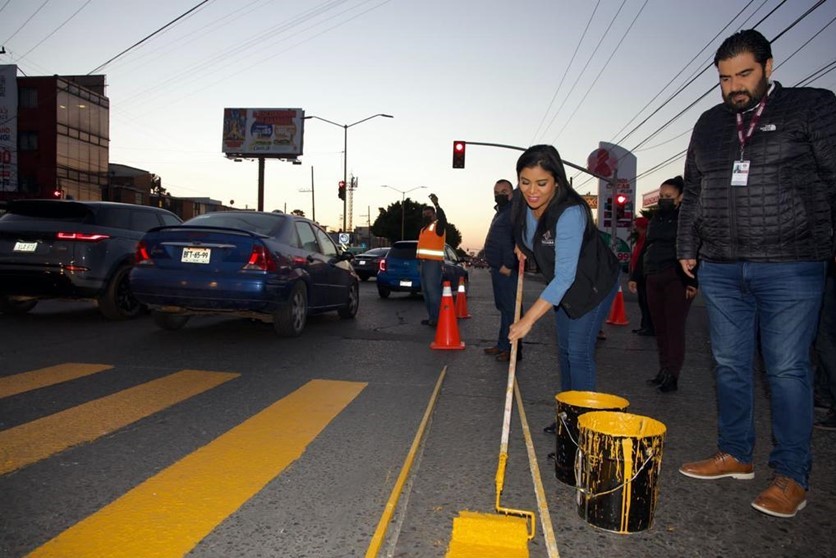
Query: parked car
{"x": 273, "y": 267}
{"x": 367, "y": 264}
{"x": 73, "y": 249}
{"x": 399, "y": 269}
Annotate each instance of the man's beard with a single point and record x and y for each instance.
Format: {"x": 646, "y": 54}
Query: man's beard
{"x": 749, "y": 99}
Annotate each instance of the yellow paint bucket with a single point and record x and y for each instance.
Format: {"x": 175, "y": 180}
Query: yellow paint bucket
{"x": 619, "y": 459}
{"x": 569, "y": 405}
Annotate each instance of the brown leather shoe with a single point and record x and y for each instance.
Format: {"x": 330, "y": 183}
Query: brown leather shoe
{"x": 783, "y": 498}
{"x": 493, "y": 351}
{"x": 717, "y": 466}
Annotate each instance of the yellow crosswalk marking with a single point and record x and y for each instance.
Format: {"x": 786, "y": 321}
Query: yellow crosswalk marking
{"x": 36, "y": 379}
{"x": 36, "y": 440}
{"x": 170, "y": 513}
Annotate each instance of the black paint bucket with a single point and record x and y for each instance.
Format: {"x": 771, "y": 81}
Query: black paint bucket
{"x": 569, "y": 405}
{"x": 619, "y": 459}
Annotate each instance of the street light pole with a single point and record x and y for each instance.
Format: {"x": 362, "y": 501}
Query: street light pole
{"x": 345, "y": 128}
{"x": 403, "y": 202}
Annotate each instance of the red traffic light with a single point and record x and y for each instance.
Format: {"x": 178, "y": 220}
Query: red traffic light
{"x": 621, "y": 199}
{"x": 458, "y": 154}
{"x": 57, "y": 194}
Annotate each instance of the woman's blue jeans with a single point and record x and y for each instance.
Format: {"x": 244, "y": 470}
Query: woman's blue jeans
{"x": 779, "y": 301}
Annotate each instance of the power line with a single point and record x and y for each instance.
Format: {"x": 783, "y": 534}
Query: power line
{"x": 169, "y": 24}
{"x": 597, "y": 77}
{"x": 821, "y": 72}
{"x": 55, "y": 30}
{"x": 4, "y": 5}
{"x": 25, "y": 22}
{"x": 566, "y": 72}
{"x": 591, "y": 56}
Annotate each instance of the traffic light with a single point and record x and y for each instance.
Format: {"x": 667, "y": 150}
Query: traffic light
{"x": 608, "y": 205}
{"x": 458, "y": 154}
{"x": 620, "y": 205}
{"x": 341, "y": 192}
{"x": 57, "y": 194}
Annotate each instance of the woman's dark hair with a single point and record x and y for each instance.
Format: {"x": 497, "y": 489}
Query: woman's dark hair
{"x": 677, "y": 182}
{"x": 547, "y": 158}
{"x": 747, "y": 40}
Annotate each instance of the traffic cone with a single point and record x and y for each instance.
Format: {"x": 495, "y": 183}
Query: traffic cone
{"x": 447, "y": 331}
{"x": 617, "y": 314}
{"x": 461, "y": 301}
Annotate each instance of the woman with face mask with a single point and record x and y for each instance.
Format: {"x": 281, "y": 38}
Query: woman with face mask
{"x": 669, "y": 290}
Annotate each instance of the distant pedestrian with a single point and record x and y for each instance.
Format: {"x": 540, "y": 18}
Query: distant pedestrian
{"x": 669, "y": 290}
{"x": 825, "y": 348}
{"x": 553, "y": 224}
{"x": 502, "y": 262}
{"x": 430, "y": 253}
{"x": 759, "y": 212}
{"x": 635, "y": 270}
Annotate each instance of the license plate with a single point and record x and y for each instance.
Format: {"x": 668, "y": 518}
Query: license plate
{"x": 196, "y": 255}
{"x": 361, "y": 262}
{"x": 25, "y": 246}
{"x": 406, "y": 283}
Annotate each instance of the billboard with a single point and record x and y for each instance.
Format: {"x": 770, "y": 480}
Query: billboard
{"x": 263, "y": 132}
{"x": 612, "y": 160}
{"x": 8, "y": 128}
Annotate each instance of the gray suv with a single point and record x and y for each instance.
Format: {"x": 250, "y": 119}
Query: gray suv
{"x": 73, "y": 249}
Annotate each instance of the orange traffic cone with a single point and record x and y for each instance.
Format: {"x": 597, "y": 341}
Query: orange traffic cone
{"x": 447, "y": 331}
{"x": 617, "y": 314}
{"x": 461, "y": 301}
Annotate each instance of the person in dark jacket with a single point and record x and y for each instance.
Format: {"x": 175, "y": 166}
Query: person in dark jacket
{"x": 553, "y": 224}
{"x": 646, "y": 325}
{"x": 669, "y": 290}
{"x": 758, "y": 213}
{"x": 499, "y": 253}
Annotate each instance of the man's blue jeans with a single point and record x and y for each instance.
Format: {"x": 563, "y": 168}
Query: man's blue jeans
{"x": 576, "y": 344}
{"x": 504, "y": 297}
{"x": 781, "y": 302}
{"x": 431, "y": 287}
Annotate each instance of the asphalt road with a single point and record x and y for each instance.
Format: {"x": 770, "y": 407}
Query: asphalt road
{"x": 291, "y": 447}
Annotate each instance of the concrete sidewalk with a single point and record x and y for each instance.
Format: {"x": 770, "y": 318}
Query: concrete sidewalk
{"x": 693, "y": 517}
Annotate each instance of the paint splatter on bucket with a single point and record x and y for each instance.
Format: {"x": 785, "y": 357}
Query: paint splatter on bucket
{"x": 619, "y": 459}
{"x": 569, "y": 405}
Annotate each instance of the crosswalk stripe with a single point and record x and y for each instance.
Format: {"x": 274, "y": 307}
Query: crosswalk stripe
{"x": 51, "y": 375}
{"x": 25, "y": 444}
{"x": 170, "y": 513}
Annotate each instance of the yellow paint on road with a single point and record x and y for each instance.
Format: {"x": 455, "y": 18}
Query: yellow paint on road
{"x": 25, "y": 444}
{"x": 51, "y": 375}
{"x": 173, "y": 511}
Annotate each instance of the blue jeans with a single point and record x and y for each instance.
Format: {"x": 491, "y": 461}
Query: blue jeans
{"x": 781, "y": 302}
{"x": 504, "y": 297}
{"x": 826, "y": 339}
{"x": 576, "y": 345}
{"x": 431, "y": 287}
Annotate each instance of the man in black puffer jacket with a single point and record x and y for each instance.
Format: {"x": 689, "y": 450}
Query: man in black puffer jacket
{"x": 758, "y": 212}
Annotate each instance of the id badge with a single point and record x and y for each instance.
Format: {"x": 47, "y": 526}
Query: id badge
{"x": 740, "y": 173}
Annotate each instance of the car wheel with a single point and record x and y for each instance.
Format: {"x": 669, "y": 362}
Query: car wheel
{"x": 384, "y": 292}
{"x": 169, "y": 321}
{"x": 363, "y": 276}
{"x": 10, "y": 305}
{"x": 350, "y": 309}
{"x": 289, "y": 319}
{"x": 118, "y": 301}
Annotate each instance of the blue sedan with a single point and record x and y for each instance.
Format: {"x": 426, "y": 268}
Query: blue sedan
{"x": 269, "y": 266}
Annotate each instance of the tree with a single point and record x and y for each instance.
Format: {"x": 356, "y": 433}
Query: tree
{"x": 388, "y": 223}
{"x": 298, "y": 212}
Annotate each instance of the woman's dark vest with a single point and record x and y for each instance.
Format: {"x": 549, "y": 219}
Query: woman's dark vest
{"x": 597, "y": 270}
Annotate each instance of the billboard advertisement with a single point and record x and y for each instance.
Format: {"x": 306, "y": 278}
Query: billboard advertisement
{"x": 8, "y": 128}
{"x": 263, "y": 132}
{"x": 613, "y": 161}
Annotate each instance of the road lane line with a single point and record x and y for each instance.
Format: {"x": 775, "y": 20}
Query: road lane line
{"x": 41, "y": 438}
{"x": 51, "y": 375}
{"x": 170, "y": 513}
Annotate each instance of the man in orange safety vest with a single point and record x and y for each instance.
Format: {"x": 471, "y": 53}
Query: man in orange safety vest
{"x": 430, "y": 253}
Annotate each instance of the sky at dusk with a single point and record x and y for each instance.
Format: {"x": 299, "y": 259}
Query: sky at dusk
{"x": 570, "y": 73}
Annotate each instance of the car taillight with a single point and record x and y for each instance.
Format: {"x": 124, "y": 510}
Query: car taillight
{"x": 142, "y": 257}
{"x": 261, "y": 259}
{"x": 83, "y": 237}
{"x": 381, "y": 266}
